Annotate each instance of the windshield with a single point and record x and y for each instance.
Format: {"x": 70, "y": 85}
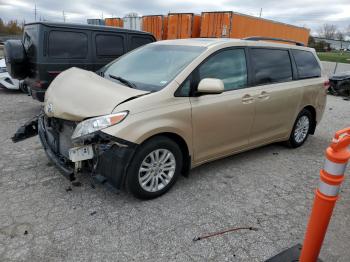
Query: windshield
{"x": 152, "y": 67}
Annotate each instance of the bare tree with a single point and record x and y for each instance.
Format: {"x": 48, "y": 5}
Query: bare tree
{"x": 328, "y": 31}
{"x": 347, "y": 31}
{"x": 339, "y": 35}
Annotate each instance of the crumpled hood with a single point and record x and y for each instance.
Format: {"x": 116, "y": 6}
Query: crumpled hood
{"x": 76, "y": 94}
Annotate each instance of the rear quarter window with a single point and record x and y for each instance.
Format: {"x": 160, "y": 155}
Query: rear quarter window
{"x": 64, "y": 44}
{"x": 271, "y": 66}
{"x": 109, "y": 45}
{"x": 30, "y": 40}
{"x": 307, "y": 64}
{"x": 137, "y": 41}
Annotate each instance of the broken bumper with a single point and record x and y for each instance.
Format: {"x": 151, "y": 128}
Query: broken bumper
{"x": 61, "y": 162}
{"x": 112, "y": 156}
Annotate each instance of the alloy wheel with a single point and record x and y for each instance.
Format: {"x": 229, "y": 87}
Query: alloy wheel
{"x": 157, "y": 170}
{"x": 302, "y": 129}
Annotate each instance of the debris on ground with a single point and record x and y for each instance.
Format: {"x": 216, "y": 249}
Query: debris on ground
{"x": 93, "y": 213}
{"x": 223, "y": 232}
{"x": 76, "y": 183}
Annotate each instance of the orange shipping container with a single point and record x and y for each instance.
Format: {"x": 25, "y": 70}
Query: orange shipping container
{"x": 183, "y": 25}
{"x": 236, "y": 25}
{"x": 247, "y": 26}
{"x": 216, "y": 24}
{"x": 116, "y": 22}
{"x": 156, "y": 25}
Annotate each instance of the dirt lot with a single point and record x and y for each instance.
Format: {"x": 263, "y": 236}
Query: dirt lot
{"x": 270, "y": 188}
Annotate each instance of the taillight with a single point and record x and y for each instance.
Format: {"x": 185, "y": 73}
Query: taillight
{"x": 38, "y": 84}
{"x": 326, "y": 84}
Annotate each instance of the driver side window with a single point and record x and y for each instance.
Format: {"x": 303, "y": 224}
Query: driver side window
{"x": 229, "y": 66}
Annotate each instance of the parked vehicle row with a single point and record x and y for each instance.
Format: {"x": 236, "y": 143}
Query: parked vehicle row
{"x": 169, "y": 106}
{"x": 47, "y": 49}
{"x": 6, "y": 81}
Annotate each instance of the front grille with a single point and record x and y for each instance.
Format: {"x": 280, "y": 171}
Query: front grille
{"x": 58, "y": 135}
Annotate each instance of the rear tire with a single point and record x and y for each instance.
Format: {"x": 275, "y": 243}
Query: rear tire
{"x": 23, "y": 87}
{"x": 155, "y": 168}
{"x": 301, "y": 129}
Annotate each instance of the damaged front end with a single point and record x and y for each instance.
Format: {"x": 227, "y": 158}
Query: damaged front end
{"x": 110, "y": 157}
{"x": 29, "y": 129}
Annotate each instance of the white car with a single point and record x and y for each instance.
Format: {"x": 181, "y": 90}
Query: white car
{"x": 5, "y": 79}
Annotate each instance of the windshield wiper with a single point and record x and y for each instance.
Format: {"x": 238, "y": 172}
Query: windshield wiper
{"x": 124, "y": 81}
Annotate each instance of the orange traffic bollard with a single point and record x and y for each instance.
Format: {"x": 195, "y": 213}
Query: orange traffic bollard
{"x": 331, "y": 177}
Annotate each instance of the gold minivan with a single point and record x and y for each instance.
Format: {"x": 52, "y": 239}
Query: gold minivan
{"x": 172, "y": 105}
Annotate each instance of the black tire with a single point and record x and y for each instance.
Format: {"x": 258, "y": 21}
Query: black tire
{"x": 23, "y": 87}
{"x": 16, "y": 59}
{"x": 293, "y": 141}
{"x": 132, "y": 180}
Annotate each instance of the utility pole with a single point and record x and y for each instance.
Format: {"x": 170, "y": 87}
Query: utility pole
{"x": 35, "y": 11}
{"x": 260, "y": 12}
{"x": 64, "y": 16}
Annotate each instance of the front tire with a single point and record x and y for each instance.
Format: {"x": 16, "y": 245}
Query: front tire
{"x": 154, "y": 168}
{"x": 301, "y": 129}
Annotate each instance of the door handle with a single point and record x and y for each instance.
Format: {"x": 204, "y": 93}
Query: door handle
{"x": 247, "y": 99}
{"x": 264, "y": 95}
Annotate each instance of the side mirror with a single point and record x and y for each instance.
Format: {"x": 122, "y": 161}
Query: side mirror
{"x": 210, "y": 86}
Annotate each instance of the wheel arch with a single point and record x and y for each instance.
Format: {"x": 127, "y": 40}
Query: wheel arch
{"x": 312, "y": 110}
{"x": 181, "y": 142}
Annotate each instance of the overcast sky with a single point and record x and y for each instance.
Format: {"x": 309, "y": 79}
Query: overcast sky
{"x": 309, "y": 13}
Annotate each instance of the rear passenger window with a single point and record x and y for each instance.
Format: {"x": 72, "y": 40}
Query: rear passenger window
{"x": 137, "y": 41}
{"x": 271, "y": 66}
{"x": 68, "y": 44}
{"x": 109, "y": 45}
{"x": 307, "y": 64}
{"x": 229, "y": 66}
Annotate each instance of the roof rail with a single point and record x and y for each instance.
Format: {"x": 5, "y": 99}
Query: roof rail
{"x": 259, "y": 38}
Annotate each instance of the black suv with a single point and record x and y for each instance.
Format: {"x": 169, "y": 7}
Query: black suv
{"x": 50, "y": 48}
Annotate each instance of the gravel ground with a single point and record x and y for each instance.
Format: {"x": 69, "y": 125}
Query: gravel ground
{"x": 270, "y": 188}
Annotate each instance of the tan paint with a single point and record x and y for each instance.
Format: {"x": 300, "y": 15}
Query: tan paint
{"x": 220, "y": 123}
{"x": 76, "y": 94}
{"x": 213, "y": 125}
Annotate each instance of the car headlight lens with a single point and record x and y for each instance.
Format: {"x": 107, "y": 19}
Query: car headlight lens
{"x": 92, "y": 125}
